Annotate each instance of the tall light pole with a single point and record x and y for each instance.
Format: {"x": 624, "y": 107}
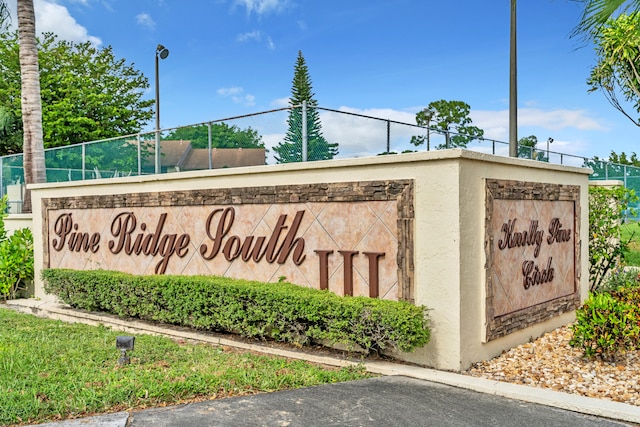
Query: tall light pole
{"x": 549, "y": 141}
{"x": 513, "y": 86}
{"x": 428, "y": 114}
{"x": 161, "y": 52}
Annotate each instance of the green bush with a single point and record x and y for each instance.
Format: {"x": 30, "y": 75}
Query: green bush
{"x": 619, "y": 278}
{"x": 16, "y": 257}
{"x": 608, "y": 324}
{"x": 606, "y": 207}
{"x": 282, "y": 311}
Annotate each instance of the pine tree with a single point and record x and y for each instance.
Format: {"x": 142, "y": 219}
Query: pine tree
{"x": 290, "y": 150}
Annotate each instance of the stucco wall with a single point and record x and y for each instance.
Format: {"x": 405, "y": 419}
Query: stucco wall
{"x": 15, "y": 222}
{"x": 449, "y": 227}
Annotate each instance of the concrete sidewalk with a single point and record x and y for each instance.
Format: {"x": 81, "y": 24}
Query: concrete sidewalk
{"x": 406, "y": 391}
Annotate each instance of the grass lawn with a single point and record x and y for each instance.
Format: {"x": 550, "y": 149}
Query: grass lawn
{"x": 631, "y": 230}
{"x": 51, "y": 370}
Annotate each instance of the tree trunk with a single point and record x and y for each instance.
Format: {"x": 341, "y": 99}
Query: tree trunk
{"x": 33, "y": 146}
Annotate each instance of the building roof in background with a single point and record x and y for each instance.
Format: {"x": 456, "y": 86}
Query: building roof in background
{"x": 181, "y": 155}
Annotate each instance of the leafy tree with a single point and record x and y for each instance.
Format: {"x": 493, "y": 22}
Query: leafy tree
{"x": 222, "y": 136}
{"x": 87, "y": 94}
{"x": 617, "y": 73}
{"x": 290, "y": 150}
{"x": 102, "y": 160}
{"x": 10, "y": 134}
{"x": 614, "y": 168}
{"x": 4, "y": 15}
{"x": 597, "y": 12}
{"x": 423, "y": 118}
{"x": 607, "y": 207}
{"x": 449, "y": 117}
{"x": 527, "y": 149}
{"x": 623, "y": 159}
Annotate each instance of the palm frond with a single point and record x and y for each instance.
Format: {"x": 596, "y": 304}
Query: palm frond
{"x": 597, "y": 12}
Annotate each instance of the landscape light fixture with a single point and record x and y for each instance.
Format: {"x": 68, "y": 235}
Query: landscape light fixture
{"x": 124, "y": 344}
{"x": 162, "y": 53}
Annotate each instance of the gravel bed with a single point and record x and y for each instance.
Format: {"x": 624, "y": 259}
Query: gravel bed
{"x": 550, "y": 362}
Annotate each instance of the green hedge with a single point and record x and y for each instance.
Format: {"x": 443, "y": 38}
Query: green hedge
{"x": 282, "y": 311}
{"x": 606, "y": 327}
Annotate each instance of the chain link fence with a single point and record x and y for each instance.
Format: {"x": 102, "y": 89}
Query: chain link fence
{"x": 627, "y": 174}
{"x": 292, "y": 134}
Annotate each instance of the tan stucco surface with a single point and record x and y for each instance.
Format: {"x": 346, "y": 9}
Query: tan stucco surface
{"x": 449, "y": 230}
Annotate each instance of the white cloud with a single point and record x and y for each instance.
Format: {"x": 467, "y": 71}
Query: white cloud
{"x": 261, "y": 7}
{"x": 248, "y": 100}
{"x": 226, "y": 91}
{"x": 237, "y": 95}
{"x": 145, "y": 20}
{"x": 253, "y": 35}
{"x": 55, "y": 18}
{"x": 558, "y": 119}
{"x": 280, "y": 102}
{"x": 361, "y": 136}
{"x": 570, "y": 124}
{"x": 52, "y": 17}
{"x": 496, "y": 123}
{"x": 271, "y": 140}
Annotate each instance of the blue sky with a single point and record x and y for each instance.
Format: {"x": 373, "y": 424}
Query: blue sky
{"x": 386, "y": 58}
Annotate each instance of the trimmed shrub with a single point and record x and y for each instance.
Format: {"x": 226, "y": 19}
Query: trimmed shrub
{"x": 608, "y": 324}
{"x": 282, "y": 311}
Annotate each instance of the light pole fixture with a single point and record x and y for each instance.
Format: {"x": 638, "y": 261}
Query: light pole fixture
{"x": 161, "y": 52}
{"x": 428, "y": 114}
{"x": 549, "y": 141}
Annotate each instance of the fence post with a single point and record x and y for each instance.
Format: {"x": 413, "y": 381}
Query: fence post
{"x": 209, "y": 145}
{"x": 388, "y": 136}
{"x": 84, "y": 162}
{"x": 157, "y": 154}
{"x": 305, "y": 137}
{"x": 139, "y": 154}
{"x": 1, "y": 176}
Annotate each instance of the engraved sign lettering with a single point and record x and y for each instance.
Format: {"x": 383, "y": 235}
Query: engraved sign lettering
{"x": 224, "y": 237}
{"x": 532, "y": 248}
